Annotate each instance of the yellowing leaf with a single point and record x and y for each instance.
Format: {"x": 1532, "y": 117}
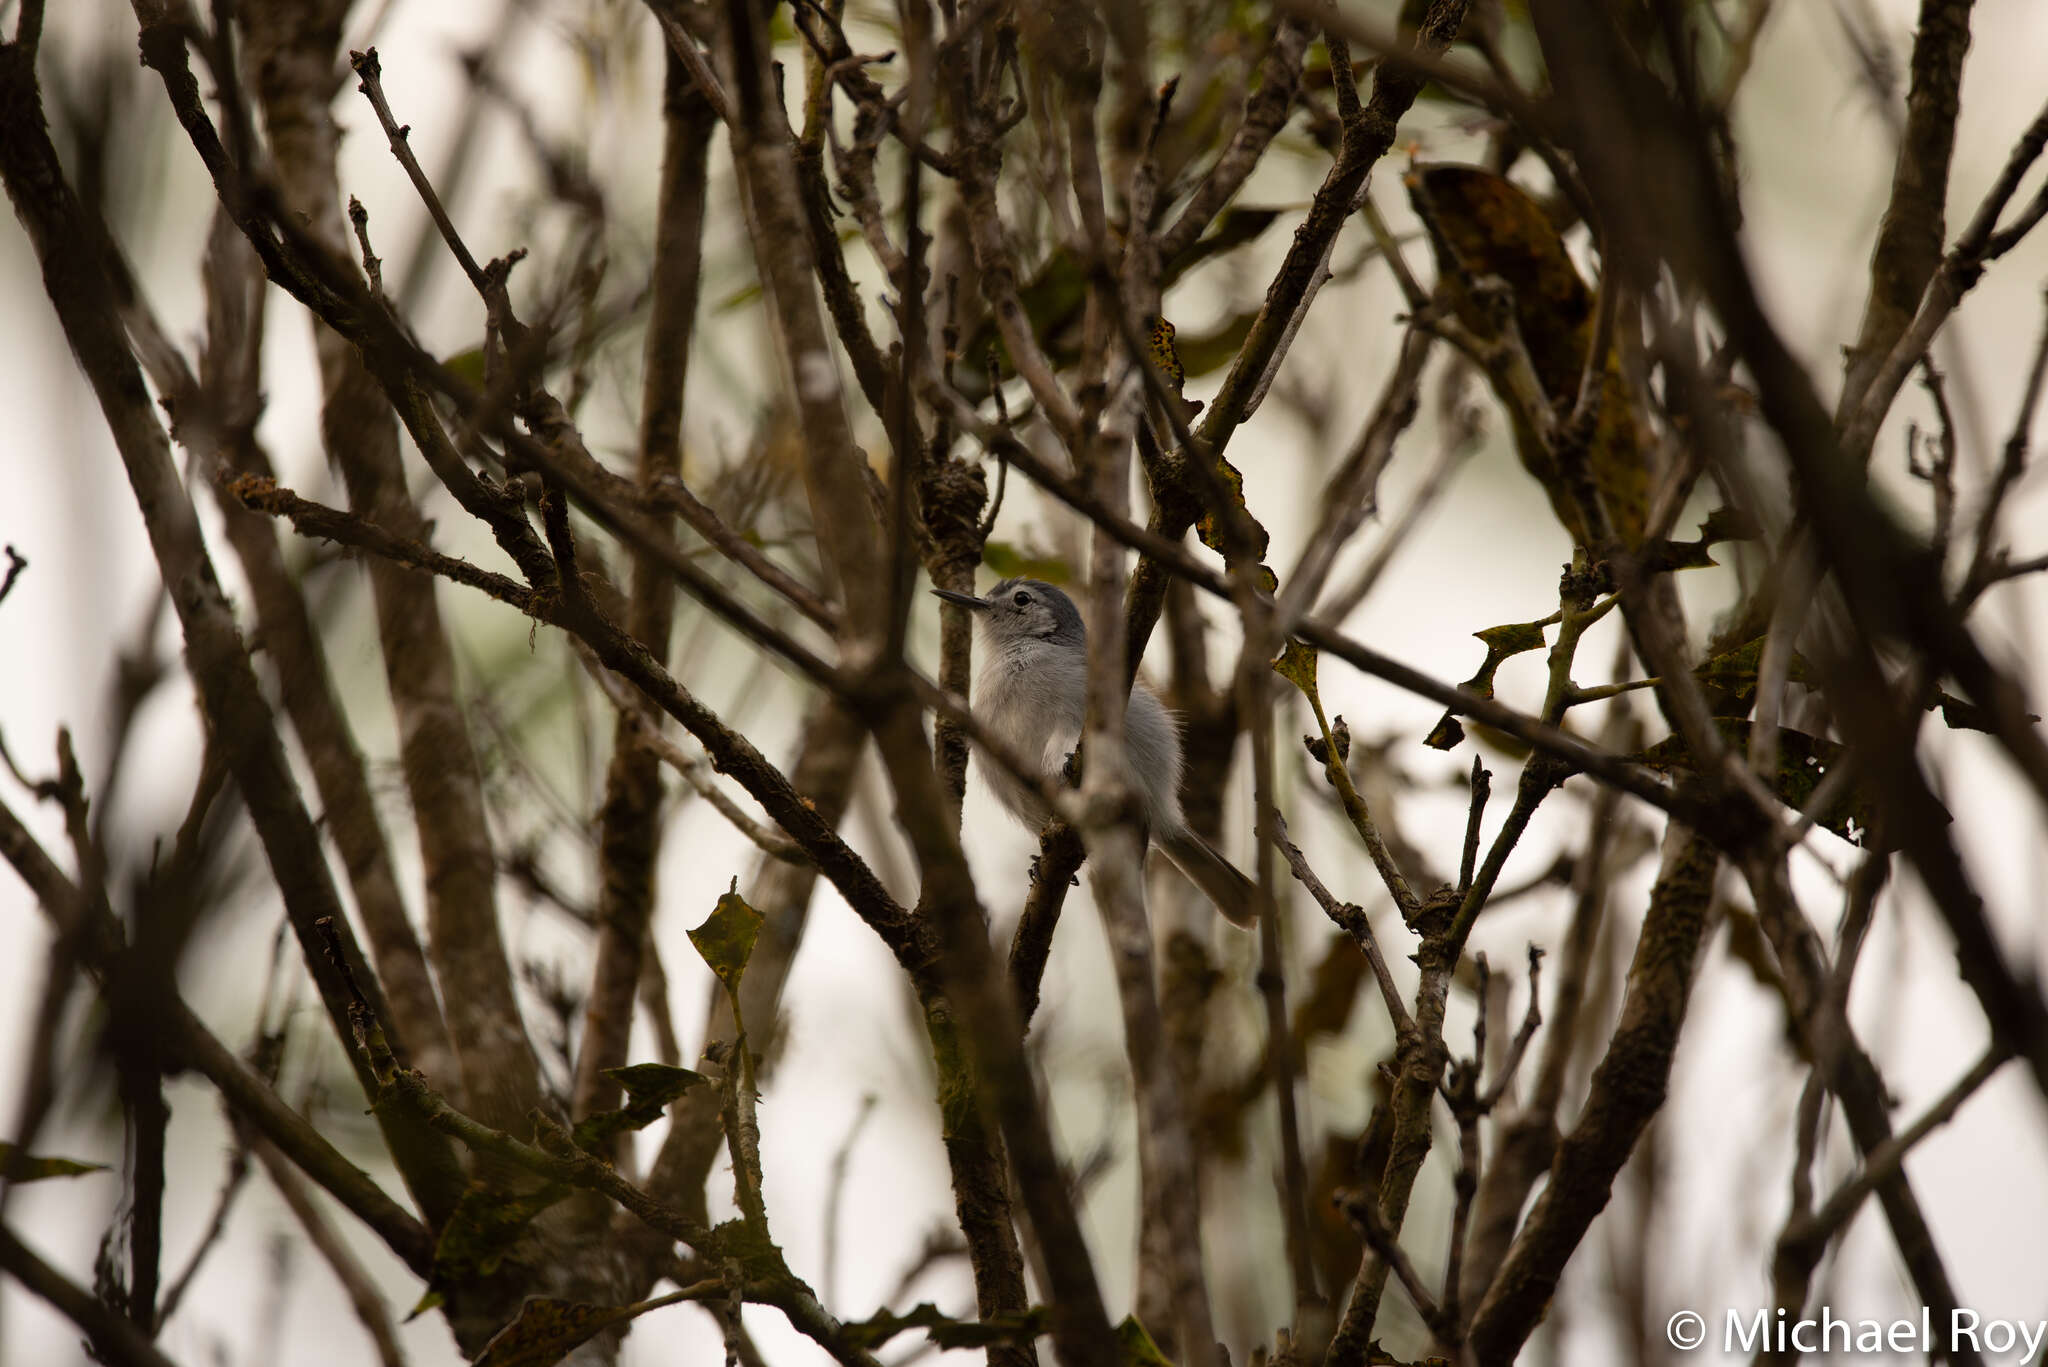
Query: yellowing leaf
{"x": 1297, "y": 665}
{"x": 1165, "y": 357}
{"x": 726, "y": 939}
{"x": 1210, "y": 529}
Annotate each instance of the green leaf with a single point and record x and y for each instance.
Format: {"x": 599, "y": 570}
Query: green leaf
{"x": 467, "y": 366}
{"x": 650, "y": 1087}
{"x": 726, "y": 939}
{"x": 1135, "y": 1347}
{"x": 1011, "y": 563}
{"x": 1056, "y": 294}
{"x": 16, "y": 1166}
{"x": 1512, "y": 638}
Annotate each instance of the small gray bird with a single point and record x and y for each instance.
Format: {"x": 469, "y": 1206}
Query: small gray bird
{"x": 1032, "y": 691}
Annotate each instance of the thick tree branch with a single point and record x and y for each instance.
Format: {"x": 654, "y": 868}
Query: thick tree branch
{"x": 293, "y": 50}
{"x": 629, "y": 822}
{"x": 239, "y": 718}
{"x": 1910, "y": 237}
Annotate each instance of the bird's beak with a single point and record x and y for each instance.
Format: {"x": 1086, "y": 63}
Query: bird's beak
{"x": 965, "y": 600}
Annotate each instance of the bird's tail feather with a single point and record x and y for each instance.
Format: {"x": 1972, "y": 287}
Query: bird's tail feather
{"x": 1235, "y": 895}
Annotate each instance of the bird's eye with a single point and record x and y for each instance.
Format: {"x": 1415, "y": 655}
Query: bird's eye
{"x": 1022, "y": 599}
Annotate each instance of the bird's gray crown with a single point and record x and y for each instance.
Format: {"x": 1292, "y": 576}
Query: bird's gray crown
{"x": 1031, "y": 608}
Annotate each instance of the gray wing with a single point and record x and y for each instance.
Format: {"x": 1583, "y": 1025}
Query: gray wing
{"x": 1152, "y": 740}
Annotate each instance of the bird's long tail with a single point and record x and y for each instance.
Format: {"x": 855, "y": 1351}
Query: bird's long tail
{"x": 1235, "y": 895}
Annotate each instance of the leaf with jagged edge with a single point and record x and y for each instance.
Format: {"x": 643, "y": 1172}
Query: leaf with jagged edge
{"x": 649, "y": 1088}
{"x": 1728, "y": 523}
{"x": 1210, "y": 529}
{"x": 1664, "y": 555}
{"x": 1502, "y": 644}
{"x": 1166, "y": 355}
{"x": 1722, "y": 524}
